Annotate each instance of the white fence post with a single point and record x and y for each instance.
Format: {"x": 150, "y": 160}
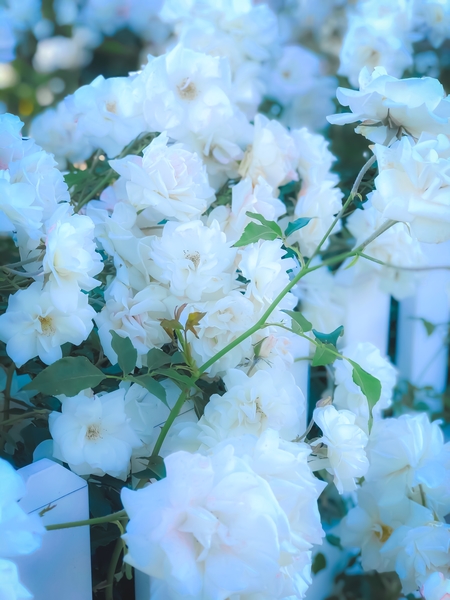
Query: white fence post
{"x": 367, "y": 314}
{"x": 61, "y": 568}
{"x": 300, "y": 370}
{"x": 422, "y": 358}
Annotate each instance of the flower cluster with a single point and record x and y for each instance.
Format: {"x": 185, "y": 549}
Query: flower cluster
{"x": 173, "y": 245}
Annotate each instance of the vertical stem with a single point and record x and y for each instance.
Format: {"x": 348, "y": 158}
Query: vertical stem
{"x": 109, "y": 591}
{"x": 7, "y": 395}
{"x": 168, "y": 424}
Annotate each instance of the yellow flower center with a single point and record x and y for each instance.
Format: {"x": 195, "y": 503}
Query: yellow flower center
{"x": 187, "y": 89}
{"x": 47, "y": 325}
{"x": 194, "y": 257}
{"x": 93, "y": 433}
{"x": 384, "y": 532}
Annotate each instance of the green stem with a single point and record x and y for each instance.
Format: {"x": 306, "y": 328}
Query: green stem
{"x": 346, "y": 204}
{"x": 109, "y": 590}
{"x": 400, "y": 268}
{"x": 98, "y": 188}
{"x": 168, "y": 424}
{"x": 7, "y": 394}
{"x": 25, "y": 415}
{"x": 121, "y": 514}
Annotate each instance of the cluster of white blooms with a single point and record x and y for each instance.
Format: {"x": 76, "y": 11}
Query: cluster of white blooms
{"x": 242, "y": 521}
{"x": 19, "y": 533}
{"x": 57, "y": 250}
{"x": 412, "y": 184}
{"x": 399, "y": 521}
{"x": 205, "y": 253}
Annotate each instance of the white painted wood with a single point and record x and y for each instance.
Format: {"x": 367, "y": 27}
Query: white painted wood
{"x": 300, "y": 370}
{"x": 61, "y": 568}
{"x": 367, "y": 314}
{"x": 422, "y": 359}
{"x": 141, "y": 585}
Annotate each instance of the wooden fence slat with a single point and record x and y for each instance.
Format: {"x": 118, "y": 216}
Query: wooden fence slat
{"x": 61, "y": 568}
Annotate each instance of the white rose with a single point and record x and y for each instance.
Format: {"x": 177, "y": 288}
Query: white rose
{"x": 70, "y": 260}
{"x": 186, "y": 91}
{"x": 194, "y": 260}
{"x": 267, "y": 399}
{"x": 320, "y": 202}
{"x": 413, "y": 186}
{"x": 263, "y": 265}
{"x": 168, "y": 181}
{"x": 121, "y": 238}
{"x": 33, "y": 326}
{"x": 93, "y": 434}
{"x": 108, "y": 113}
{"x": 272, "y": 154}
{"x": 345, "y": 442}
{"x": 370, "y": 42}
{"x": 137, "y": 317}
{"x": 212, "y": 528}
{"x": 385, "y": 105}
{"x": 397, "y": 447}
{"x": 224, "y": 321}
{"x": 370, "y": 524}
{"x": 284, "y": 465}
{"x": 418, "y": 552}
{"x": 247, "y": 198}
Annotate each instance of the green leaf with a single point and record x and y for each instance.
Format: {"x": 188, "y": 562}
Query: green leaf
{"x": 177, "y": 358}
{"x": 269, "y": 224}
{"x": 352, "y": 262}
{"x": 126, "y": 352}
{"x": 257, "y": 347}
{"x": 153, "y": 386}
{"x": 157, "y": 358}
{"x": 176, "y": 376}
{"x": 333, "y": 540}
{"x": 156, "y": 469}
{"x": 319, "y": 563}
{"x": 370, "y": 385}
{"x": 296, "y": 225}
{"x": 329, "y": 338}
{"x": 430, "y": 327}
{"x": 325, "y": 354}
{"x": 69, "y": 376}
{"x": 77, "y": 177}
{"x": 300, "y": 320}
{"x": 254, "y": 232}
